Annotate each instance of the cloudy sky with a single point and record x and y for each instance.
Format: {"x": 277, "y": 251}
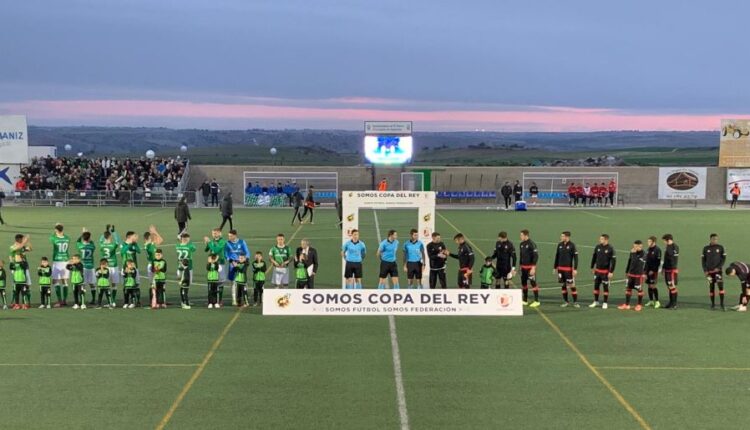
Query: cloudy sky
{"x": 515, "y": 65}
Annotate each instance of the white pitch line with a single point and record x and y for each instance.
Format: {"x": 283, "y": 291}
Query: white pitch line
{"x": 403, "y": 413}
{"x": 595, "y": 214}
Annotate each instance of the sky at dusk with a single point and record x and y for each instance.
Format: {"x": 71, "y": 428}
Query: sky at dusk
{"x": 502, "y": 65}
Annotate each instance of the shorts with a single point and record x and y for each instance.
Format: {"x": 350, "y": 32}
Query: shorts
{"x": 60, "y": 270}
{"x": 280, "y": 276}
{"x": 388, "y": 268}
{"x": 89, "y": 276}
{"x": 527, "y": 277}
{"x": 635, "y": 283}
{"x": 414, "y": 270}
{"x": 565, "y": 277}
{"x": 651, "y": 276}
{"x": 352, "y": 270}
{"x": 670, "y": 277}
{"x": 502, "y": 273}
{"x": 114, "y": 275}
{"x": 715, "y": 277}
{"x": 222, "y": 273}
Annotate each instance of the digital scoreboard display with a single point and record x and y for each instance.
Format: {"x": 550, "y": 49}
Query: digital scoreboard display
{"x": 388, "y": 149}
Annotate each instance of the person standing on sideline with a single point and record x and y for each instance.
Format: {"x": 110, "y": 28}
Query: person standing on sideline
{"x": 437, "y": 253}
{"x": 612, "y": 190}
{"x": 182, "y": 216}
{"x": 353, "y": 252}
{"x": 517, "y": 191}
{"x": 734, "y": 191}
{"x": 311, "y": 260}
{"x": 297, "y": 200}
{"x": 227, "y": 209}
{"x": 205, "y": 192}
{"x": 383, "y": 185}
{"x": 309, "y": 205}
{"x": 534, "y": 193}
{"x": 214, "y": 187}
{"x": 506, "y": 191}
{"x": 2, "y": 196}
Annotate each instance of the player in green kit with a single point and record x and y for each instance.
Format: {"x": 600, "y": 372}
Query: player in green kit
{"x": 240, "y": 278}
{"x": 129, "y": 283}
{"x": 159, "y": 269}
{"x": 151, "y": 239}
{"x": 108, "y": 245}
{"x": 280, "y": 256}
{"x": 129, "y": 251}
{"x": 86, "y": 248}
{"x": 185, "y": 250}
{"x": 60, "y": 256}
{"x": 45, "y": 283}
{"x": 259, "y": 278}
{"x": 21, "y": 245}
{"x": 216, "y": 245}
{"x": 20, "y": 269}
{"x": 3, "y": 282}
{"x": 102, "y": 283}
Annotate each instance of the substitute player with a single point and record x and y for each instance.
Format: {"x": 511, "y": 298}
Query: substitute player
{"x": 279, "y": 255}
{"x": 636, "y": 273}
{"x": 653, "y": 267}
{"x": 566, "y": 268}
{"x": 414, "y": 258}
{"x": 712, "y": 260}
{"x": 437, "y": 253}
{"x": 388, "y": 267}
{"x": 353, "y": 252}
{"x": 603, "y": 263}
{"x": 505, "y": 253}
{"x": 465, "y": 257}
{"x": 60, "y": 256}
{"x": 742, "y": 271}
{"x": 669, "y": 267}
{"x": 529, "y": 256}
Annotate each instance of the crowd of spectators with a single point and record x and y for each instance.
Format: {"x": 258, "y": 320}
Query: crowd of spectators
{"x": 100, "y": 174}
{"x": 288, "y": 189}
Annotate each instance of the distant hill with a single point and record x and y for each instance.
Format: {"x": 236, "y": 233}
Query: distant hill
{"x": 344, "y": 146}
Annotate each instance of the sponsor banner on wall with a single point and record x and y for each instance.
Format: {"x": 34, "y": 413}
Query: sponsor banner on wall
{"x": 9, "y": 174}
{"x": 14, "y": 140}
{"x": 734, "y": 143}
{"x": 740, "y": 177}
{"x": 388, "y": 127}
{"x": 682, "y": 183}
{"x": 393, "y": 302}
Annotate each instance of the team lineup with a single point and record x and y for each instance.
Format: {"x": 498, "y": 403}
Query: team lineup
{"x": 499, "y": 269}
{"x": 229, "y": 262}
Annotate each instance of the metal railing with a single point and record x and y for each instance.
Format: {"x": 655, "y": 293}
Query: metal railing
{"x": 138, "y": 198}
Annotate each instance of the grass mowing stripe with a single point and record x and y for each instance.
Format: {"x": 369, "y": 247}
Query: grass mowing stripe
{"x": 194, "y": 377}
{"x": 616, "y": 394}
{"x": 403, "y": 413}
{"x": 728, "y": 369}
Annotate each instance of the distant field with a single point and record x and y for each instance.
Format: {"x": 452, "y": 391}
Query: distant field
{"x": 552, "y": 368}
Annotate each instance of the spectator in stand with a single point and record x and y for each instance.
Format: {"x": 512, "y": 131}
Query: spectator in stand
{"x": 506, "y": 192}
{"x": 21, "y": 184}
{"x": 735, "y": 192}
{"x": 206, "y": 191}
{"x": 533, "y": 193}
{"x": 612, "y": 190}
{"x": 227, "y": 209}
{"x": 214, "y": 192}
{"x": 383, "y": 185}
{"x": 517, "y": 191}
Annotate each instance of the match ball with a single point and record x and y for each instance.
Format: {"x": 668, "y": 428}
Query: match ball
{"x": 80, "y": 154}
{"x": 150, "y": 154}
{"x": 183, "y": 148}
{"x": 68, "y": 147}
{"x": 273, "y": 151}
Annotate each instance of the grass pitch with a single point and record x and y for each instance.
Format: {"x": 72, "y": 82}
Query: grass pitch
{"x": 552, "y": 368}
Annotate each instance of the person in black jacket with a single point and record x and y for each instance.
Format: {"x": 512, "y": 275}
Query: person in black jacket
{"x": 309, "y": 205}
{"x": 182, "y": 215}
{"x": 296, "y": 200}
{"x": 566, "y": 267}
{"x": 437, "y": 254}
{"x": 742, "y": 271}
{"x": 205, "y": 192}
{"x": 465, "y": 257}
{"x": 653, "y": 265}
{"x": 214, "y": 187}
{"x": 505, "y": 253}
{"x": 311, "y": 259}
{"x": 517, "y": 191}
{"x": 635, "y": 271}
{"x": 529, "y": 256}
{"x": 712, "y": 260}
{"x": 2, "y": 196}
{"x": 669, "y": 267}
{"x": 506, "y": 192}
{"x": 227, "y": 209}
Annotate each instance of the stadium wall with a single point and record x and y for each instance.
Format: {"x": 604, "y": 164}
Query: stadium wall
{"x": 639, "y": 185}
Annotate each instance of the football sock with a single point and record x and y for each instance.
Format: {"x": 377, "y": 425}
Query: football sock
{"x": 58, "y": 292}
{"x": 65, "y": 293}
{"x": 565, "y": 294}
{"x": 535, "y": 290}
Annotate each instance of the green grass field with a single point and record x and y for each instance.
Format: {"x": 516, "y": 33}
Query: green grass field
{"x": 552, "y": 368}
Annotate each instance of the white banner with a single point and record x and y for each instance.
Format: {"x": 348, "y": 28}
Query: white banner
{"x": 740, "y": 177}
{"x": 393, "y": 302}
{"x": 682, "y": 183}
{"x": 9, "y": 174}
{"x": 14, "y": 140}
{"x": 387, "y": 127}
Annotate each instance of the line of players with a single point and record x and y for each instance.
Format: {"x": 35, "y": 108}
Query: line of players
{"x": 228, "y": 260}
{"x": 643, "y": 267}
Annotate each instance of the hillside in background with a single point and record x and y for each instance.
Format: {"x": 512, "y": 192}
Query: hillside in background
{"x": 337, "y": 147}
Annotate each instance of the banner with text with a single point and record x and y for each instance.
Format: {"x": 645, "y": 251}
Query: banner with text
{"x": 734, "y": 143}
{"x": 9, "y": 174}
{"x": 740, "y": 177}
{"x": 14, "y": 141}
{"x": 388, "y": 127}
{"x": 682, "y": 183}
{"x": 393, "y": 302}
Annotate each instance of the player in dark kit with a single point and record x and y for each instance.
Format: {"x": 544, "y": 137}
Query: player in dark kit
{"x": 566, "y": 267}
{"x": 653, "y": 264}
{"x": 465, "y": 257}
{"x": 636, "y": 272}
{"x": 528, "y": 259}
{"x": 742, "y": 271}
{"x": 712, "y": 260}
{"x": 437, "y": 253}
{"x": 505, "y": 253}
{"x": 669, "y": 267}
{"x": 603, "y": 268}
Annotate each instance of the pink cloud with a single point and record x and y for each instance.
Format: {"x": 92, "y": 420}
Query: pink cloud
{"x": 526, "y": 118}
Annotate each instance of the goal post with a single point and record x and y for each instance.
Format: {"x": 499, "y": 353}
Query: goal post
{"x": 412, "y": 181}
{"x": 422, "y": 201}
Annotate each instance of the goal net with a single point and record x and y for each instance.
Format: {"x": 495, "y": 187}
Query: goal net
{"x": 274, "y": 189}
{"x": 553, "y": 186}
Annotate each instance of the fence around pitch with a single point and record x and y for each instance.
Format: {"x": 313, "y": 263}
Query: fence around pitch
{"x": 100, "y": 198}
